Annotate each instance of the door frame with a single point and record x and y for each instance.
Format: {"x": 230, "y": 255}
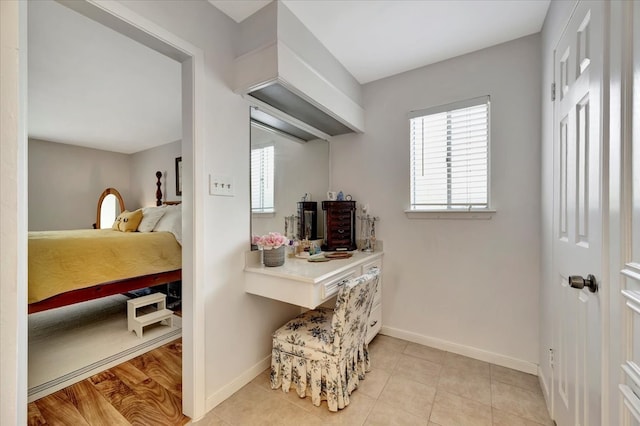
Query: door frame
{"x": 128, "y": 23}
{"x": 620, "y": 196}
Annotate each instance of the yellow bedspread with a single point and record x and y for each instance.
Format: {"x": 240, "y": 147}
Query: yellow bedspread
{"x": 60, "y": 261}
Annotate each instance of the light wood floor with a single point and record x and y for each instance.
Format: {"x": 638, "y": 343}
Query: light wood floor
{"x": 146, "y": 390}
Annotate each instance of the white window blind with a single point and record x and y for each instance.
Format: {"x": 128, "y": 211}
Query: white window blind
{"x": 262, "y": 179}
{"x": 450, "y": 156}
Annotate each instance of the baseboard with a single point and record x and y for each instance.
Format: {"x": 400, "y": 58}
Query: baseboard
{"x": 471, "y": 352}
{"x": 232, "y": 387}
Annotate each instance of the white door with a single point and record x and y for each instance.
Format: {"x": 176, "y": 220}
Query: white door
{"x": 577, "y": 239}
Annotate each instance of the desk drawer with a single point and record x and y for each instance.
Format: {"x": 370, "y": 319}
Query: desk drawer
{"x": 331, "y": 288}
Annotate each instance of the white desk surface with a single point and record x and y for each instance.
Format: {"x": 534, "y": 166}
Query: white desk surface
{"x": 305, "y": 271}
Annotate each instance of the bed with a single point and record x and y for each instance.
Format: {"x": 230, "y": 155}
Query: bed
{"x": 67, "y": 267}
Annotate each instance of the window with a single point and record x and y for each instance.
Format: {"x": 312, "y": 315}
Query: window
{"x": 450, "y": 156}
{"x": 262, "y": 167}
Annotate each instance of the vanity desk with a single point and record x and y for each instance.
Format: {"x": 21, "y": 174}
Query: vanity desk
{"x": 310, "y": 284}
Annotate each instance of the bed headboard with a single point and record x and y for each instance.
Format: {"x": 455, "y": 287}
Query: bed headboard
{"x": 159, "y": 201}
{"x": 159, "y": 190}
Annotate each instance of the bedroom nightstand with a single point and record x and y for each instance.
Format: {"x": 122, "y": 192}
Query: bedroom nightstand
{"x": 137, "y": 323}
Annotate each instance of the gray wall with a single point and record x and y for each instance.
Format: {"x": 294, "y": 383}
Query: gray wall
{"x": 144, "y": 165}
{"x": 466, "y": 285}
{"x": 65, "y": 182}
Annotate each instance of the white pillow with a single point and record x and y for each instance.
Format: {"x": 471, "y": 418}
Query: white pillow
{"x": 150, "y": 218}
{"x": 171, "y": 221}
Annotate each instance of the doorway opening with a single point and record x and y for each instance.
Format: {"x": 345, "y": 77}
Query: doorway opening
{"x": 131, "y": 25}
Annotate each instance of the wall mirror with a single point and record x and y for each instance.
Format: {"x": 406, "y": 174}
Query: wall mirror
{"x": 283, "y": 169}
{"x": 110, "y": 205}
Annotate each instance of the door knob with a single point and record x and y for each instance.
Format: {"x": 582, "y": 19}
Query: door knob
{"x": 576, "y": 281}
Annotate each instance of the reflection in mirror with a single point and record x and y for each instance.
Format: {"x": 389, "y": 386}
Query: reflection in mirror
{"x": 108, "y": 211}
{"x": 283, "y": 170}
{"x": 110, "y": 205}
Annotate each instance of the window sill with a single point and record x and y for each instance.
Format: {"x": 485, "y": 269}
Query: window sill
{"x": 450, "y": 214}
{"x": 263, "y": 215}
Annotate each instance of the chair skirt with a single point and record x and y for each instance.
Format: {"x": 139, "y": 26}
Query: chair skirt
{"x": 325, "y": 375}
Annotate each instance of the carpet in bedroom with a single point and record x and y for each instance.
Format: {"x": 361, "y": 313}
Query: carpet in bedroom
{"x": 69, "y": 344}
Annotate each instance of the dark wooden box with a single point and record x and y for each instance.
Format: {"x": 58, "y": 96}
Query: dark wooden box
{"x": 340, "y": 225}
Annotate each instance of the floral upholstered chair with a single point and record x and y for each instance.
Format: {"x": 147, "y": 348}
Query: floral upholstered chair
{"x": 324, "y": 349}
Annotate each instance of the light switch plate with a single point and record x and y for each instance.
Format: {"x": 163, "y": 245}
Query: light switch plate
{"x": 222, "y": 185}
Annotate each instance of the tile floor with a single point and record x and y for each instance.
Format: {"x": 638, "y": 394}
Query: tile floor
{"x": 409, "y": 384}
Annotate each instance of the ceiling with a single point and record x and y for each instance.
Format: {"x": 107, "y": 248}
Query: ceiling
{"x": 374, "y": 39}
{"x": 90, "y": 86}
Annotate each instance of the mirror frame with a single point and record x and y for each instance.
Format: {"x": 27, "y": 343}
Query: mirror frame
{"x": 106, "y": 192}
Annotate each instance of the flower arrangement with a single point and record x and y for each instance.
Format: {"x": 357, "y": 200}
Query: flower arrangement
{"x": 272, "y": 240}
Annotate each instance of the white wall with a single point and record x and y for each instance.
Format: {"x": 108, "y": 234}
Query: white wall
{"x": 557, "y": 16}
{"x": 238, "y": 325}
{"x": 143, "y": 168}
{"x": 466, "y": 285}
{"x": 13, "y": 204}
{"x": 65, "y": 183}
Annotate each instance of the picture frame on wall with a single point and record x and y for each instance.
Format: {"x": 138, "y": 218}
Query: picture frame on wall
{"x": 179, "y": 176}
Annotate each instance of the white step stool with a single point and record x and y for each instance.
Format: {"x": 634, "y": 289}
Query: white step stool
{"x": 137, "y": 323}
